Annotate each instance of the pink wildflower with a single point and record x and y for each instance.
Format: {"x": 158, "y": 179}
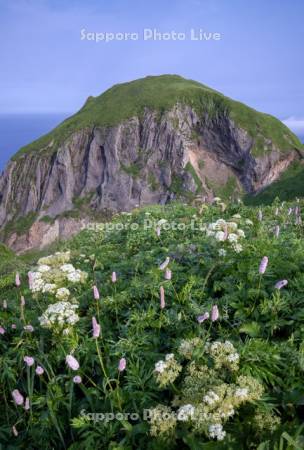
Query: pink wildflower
{"x": 114, "y": 277}
{"x": 96, "y": 293}
{"x": 2, "y": 330}
{"x": 96, "y": 328}
{"x": 17, "y": 280}
{"x": 27, "y": 404}
{"x": 29, "y": 361}
{"x": 168, "y": 274}
{"x": 72, "y": 362}
{"x": 162, "y": 298}
{"x": 263, "y": 265}
{"x": 77, "y": 379}
{"x": 280, "y": 284}
{"x": 30, "y": 279}
{"x": 214, "y": 313}
{"x": 165, "y": 263}
{"x": 203, "y": 317}
{"x": 18, "y": 398}
{"x": 39, "y": 370}
{"x": 122, "y": 364}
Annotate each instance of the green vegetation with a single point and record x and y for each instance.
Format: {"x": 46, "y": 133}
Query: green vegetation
{"x": 160, "y": 93}
{"x": 133, "y": 169}
{"x": 153, "y": 183}
{"x": 262, "y": 126}
{"x": 224, "y": 191}
{"x": 20, "y": 225}
{"x": 239, "y": 367}
{"x": 190, "y": 169}
{"x": 289, "y": 186}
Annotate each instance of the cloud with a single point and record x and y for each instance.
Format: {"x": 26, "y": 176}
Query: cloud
{"x": 296, "y": 124}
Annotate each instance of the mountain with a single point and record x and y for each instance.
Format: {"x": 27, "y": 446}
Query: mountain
{"x": 147, "y": 141}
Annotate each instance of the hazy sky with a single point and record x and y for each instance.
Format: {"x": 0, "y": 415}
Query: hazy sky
{"x": 46, "y": 67}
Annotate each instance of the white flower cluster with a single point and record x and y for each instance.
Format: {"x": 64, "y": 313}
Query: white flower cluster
{"x": 63, "y": 293}
{"x": 167, "y": 371}
{"x": 216, "y": 431}
{"x": 242, "y": 393}
{"x": 51, "y": 276}
{"x": 53, "y": 272}
{"x": 161, "y": 365}
{"x": 211, "y": 397}
{"x": 211, "y": 391}
{"x": 228, "y": 232}
{"x": 224, "y": 354}
{"x": 59, "y": 315}
{"x": 185, "y": 412}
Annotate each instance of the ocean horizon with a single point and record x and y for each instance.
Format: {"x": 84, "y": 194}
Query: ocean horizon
{"x": 18, "y": 130}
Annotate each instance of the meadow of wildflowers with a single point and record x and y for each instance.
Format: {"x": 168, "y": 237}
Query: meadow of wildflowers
{"x": 188, "y": 334}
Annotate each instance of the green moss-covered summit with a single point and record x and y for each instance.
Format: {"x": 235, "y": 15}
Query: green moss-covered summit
{"x": 160, "y": 93}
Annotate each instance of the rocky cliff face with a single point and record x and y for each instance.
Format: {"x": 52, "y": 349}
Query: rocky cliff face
{"x": 146, "y": 159}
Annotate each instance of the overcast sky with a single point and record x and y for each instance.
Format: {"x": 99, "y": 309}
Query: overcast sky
{"x": 46, "y": 67}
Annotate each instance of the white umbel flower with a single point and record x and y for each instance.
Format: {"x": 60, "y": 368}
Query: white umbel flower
{"x": 185, "y": 412}
{"x": 62, "y": 294}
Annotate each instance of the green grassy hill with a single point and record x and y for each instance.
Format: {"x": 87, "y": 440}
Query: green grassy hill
{"x": 289, "y": 186}
{"x": 161, "y": 93}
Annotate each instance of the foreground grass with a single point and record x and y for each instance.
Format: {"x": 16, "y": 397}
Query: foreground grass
{"x": 141, "y": 325}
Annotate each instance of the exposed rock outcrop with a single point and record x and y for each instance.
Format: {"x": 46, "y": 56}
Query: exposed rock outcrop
{"x": 145, "y": 159}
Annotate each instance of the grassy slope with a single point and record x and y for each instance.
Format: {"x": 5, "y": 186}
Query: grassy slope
{"x": 160, "y": 93}
{"x": 265, "y": 326}
{"x": 289, "y": 186}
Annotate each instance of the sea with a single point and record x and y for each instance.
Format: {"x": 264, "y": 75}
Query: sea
{"x": 19, "y": 130}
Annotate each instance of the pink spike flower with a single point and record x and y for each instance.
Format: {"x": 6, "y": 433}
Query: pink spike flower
{"x": 18, "y": 397}
{"x": 96, "y": 293}
{"x": 30, "y": 279}
{"x": 17, "y": 280}
{"x": 72, "y": 362}
{"x": 214, "y": 313}
{"x": 168, "y": 274}
{"x": 162, "y": 298}
{"x": 122, "y": 364}
{"x": 96, "y": 328}
{"x": 263, "y": 265}
{"x": 114, "y": 277}
{"x": 27, "y": 404}
{"x": 203, "y": 317}
{"x": 280, "y": 284}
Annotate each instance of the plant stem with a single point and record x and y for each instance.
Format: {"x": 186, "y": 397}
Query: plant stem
{"x": 102, "y": 364}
